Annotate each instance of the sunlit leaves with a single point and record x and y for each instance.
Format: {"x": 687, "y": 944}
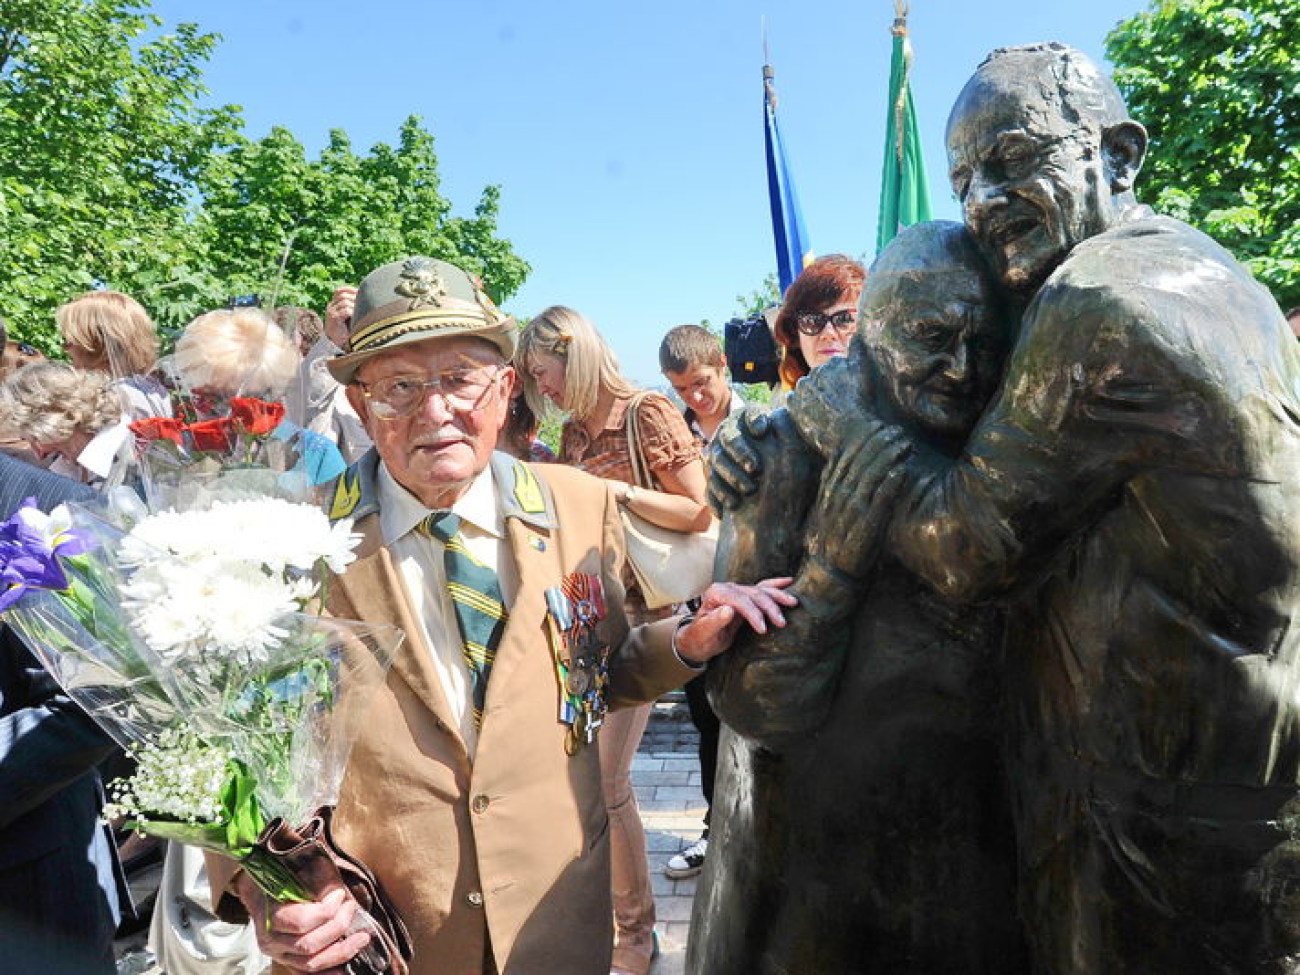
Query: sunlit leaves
{"x": 1217, "y": 84}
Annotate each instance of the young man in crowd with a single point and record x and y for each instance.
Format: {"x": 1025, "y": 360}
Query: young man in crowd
{"x": 691, "y": 358}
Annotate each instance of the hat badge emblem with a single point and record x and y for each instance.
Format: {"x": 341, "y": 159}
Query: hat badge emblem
{"x": 420, "y": 281}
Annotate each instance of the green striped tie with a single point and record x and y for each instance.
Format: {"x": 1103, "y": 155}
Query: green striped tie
{"x": 476, "y": 594}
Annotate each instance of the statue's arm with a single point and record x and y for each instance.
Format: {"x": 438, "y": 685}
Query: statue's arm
{"x": 776, "y": 688}
{"x": 1087, "y": 401}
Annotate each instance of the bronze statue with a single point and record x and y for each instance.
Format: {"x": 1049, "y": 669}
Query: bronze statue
{"x": 861, "y": 823}
{"x": 1132, "y": 497}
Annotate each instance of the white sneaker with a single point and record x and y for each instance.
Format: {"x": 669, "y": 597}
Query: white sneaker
{"x": 689, "y": 862}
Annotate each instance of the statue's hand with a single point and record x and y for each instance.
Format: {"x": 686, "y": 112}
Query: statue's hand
{"x": 856, "y": 499}
{"x": 825, "y": 401}
{"x": 734, "y": 464}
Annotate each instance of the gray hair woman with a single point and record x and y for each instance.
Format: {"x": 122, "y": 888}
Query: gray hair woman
{"x": 72, "y": 416}
{"x": 233, "y": 352}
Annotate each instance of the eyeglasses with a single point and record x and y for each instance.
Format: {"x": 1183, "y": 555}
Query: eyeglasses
{"x": 399, "y": 396}
{"x": 813, "y": 322}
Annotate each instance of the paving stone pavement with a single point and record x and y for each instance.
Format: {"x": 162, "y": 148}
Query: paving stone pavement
{"x": 666, "y": 777}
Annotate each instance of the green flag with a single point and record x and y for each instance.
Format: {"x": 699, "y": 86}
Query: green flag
{"x": 904, "y": 193}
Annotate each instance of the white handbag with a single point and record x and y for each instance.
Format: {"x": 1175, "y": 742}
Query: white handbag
{"x": 670, "y": 566}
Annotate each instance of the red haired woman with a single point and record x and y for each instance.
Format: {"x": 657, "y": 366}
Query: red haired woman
{"x": 818, "y": 316}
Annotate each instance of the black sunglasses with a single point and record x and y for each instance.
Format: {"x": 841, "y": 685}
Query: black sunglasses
{"x": 814, "y": 322}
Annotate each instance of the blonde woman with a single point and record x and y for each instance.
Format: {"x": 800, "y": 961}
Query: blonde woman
{"x": 234, "y": 352}
{"x": 71, "y": 417}
{"x": 565, "y": 360}
{"x": 243, "y": 352}
{"x": 109, "y": 332}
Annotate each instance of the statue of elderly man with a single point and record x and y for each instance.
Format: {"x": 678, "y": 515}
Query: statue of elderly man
{"x": 1132, "y": 497}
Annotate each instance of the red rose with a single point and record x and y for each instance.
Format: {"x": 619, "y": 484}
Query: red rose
{"x": 218, "y": 434}
{"x": 158, "y": 428}
{"x": 255, "y": 416}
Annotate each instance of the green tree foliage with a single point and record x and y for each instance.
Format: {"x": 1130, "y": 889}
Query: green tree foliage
{"x": 766, "y": 294}
{"x": 1217, "y": 84}
{"x": 113, "y": 174}
{"x": 101, "y": 136}
{"x": 278, "y": 224}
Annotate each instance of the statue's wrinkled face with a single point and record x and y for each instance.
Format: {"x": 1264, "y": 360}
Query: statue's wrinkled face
{"x": 1031, "y": 181}
{"x": 937, "y": 342}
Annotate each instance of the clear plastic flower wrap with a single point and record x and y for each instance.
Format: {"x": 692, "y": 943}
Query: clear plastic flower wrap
{"x": 188, "y": 634}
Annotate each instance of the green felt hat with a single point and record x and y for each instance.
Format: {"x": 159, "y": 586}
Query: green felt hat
{"x": 417, "y": 299}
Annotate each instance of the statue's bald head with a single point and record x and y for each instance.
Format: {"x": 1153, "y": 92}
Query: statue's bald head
{"x": 1057, "y": 79}
{"x": 933, "y": 331}
{"x": 1042, "y": 155}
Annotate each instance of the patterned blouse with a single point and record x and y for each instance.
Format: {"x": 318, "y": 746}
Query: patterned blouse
{"x": 667, "y": 445}
{"x": 667, "y": 442}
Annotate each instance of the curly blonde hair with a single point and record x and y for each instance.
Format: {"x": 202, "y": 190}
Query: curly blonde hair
{"x": 48, "y": 402}
{"x": 237, "y": 351}
{"x": 113, "y": 328}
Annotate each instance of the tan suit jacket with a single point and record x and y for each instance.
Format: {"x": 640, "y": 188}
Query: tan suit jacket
{"x": 509, "y": 855}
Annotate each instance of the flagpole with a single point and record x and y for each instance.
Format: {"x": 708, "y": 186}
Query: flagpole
{"x": 904, "y": 191}
{"x": 788, "y": 234}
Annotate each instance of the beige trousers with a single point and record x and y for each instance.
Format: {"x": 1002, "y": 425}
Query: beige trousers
{"x": 634, "y": 903}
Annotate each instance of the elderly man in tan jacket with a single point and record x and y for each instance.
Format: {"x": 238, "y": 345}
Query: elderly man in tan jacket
{"x": 477, "y": 802}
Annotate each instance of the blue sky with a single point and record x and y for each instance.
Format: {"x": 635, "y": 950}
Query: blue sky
{"x": 627, "y": 137}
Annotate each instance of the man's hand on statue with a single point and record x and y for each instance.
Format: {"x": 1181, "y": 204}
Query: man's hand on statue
{"x": 856, "y": 498}
{"x": 734, "y": 464}
{"x": 306, "y": 937}
{"x": 724, "y": 607}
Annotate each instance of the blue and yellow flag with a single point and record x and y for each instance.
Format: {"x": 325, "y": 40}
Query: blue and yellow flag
{"x": 904, "y": 193}
{"x": 792, "y": 251}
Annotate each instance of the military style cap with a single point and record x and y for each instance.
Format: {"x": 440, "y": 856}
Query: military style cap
{"x": 415, "y": 299}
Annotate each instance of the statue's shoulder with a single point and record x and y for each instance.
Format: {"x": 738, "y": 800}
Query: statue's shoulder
{"x": 1148, "y": 250}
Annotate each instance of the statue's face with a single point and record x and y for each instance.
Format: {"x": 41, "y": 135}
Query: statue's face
{"x": 1031, "y": 182}
{"x": 937, "y": 343}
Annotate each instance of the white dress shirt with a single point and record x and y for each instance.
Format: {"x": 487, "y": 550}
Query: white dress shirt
{"x": 420, "y": 561}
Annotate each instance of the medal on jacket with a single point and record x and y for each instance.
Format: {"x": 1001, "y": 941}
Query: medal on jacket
{"x": 581, "y": 659}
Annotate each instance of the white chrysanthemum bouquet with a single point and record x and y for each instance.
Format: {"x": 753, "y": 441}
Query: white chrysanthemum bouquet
{"x": 189, "y": 635}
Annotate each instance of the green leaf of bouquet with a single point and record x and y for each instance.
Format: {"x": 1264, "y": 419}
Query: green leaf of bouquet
{"x": 244, "y": 821}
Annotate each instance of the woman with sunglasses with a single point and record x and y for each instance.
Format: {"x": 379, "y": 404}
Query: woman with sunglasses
{"x": 818, "y": 316}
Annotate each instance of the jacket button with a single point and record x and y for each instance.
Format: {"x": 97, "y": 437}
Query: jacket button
{"x": 479, "y": 803}
{"x": 475, "y": 898}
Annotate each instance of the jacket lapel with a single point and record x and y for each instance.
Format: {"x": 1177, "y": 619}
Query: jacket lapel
{"x": 374, "y": 588}
{"x": 530, "y": 522}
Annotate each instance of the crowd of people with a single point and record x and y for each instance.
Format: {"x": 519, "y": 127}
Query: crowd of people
{"x": 74, "y": 419}
{"x": 1010, "y": 569}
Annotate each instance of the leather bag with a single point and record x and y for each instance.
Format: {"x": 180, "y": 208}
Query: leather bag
{"x": 670, "y": 566}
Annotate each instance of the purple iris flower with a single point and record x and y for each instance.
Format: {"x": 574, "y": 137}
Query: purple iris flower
{"x": 29, "y": 553}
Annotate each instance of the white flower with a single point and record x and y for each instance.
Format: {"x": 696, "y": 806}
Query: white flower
{"x": 275, "y": 534}
{"x": 191, "y": 611}
{"x": 210, "y": 583}
{"x": 179, "y": 777}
